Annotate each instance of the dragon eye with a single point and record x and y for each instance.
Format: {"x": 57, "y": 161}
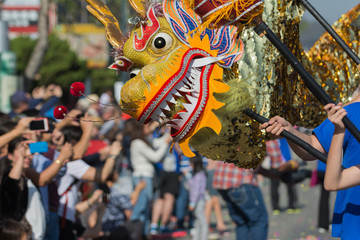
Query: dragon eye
{"x": 134, "y": 72}
{"x": 162, "y": 42}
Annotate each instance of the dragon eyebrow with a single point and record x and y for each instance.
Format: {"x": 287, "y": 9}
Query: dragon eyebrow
{"x": 147, "y": 31}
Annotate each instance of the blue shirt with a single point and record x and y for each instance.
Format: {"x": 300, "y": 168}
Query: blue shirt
{"x": 346, "y": 218}
{"x": 40, "y": 163}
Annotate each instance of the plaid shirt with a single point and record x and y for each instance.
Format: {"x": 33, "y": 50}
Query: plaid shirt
{"x": 227, "y": 176}
{"x": 274, "y": 152}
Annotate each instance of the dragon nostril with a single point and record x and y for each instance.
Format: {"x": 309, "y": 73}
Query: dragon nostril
{"x": 134, "y": 72}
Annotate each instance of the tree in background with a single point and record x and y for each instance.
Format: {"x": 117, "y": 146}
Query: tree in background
{"x": 60, "y": 65}
{"x": 37, "y": 55}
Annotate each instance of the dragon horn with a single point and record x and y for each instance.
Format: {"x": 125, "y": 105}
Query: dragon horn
{"x": 104, "y": 15}
{"x": 138, "y": 6}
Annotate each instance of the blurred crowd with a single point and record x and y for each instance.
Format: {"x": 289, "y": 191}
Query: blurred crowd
{"x": 104, "y": 175}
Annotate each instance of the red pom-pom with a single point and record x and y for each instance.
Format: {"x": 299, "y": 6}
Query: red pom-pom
{"x": 60, "y": 112}
{"x": 77, "y": 89}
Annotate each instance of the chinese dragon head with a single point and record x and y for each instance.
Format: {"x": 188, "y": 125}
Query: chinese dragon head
{"x": 195, "y": 80}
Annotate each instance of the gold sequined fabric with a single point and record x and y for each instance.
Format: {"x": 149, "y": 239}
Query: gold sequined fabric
{"x": 330, "y": 65}
{"x": 276, "y": 88}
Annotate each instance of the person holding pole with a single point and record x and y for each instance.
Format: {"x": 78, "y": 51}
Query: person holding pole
{"x": 345, "y": 218}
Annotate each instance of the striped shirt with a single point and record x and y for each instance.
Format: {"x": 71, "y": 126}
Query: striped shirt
{"x": 227, "y": 176}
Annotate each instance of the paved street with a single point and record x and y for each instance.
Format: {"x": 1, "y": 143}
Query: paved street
{"x": 285, "y": 226}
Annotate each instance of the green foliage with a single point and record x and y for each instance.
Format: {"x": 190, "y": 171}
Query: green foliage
{"x": 102, "y": 79}
{"x": 22, "y": 46}
{"x": 61, "y": 65}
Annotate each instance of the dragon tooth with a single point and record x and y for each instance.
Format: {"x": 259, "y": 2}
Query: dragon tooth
{"x": 166, "y": 112}
{"x": 184, "y": 114}
{"x": 155, "y": 118}
{"x": 189, "y": 107}
{"x": 187, "y": 85}
{"x": 184, "y": 90}
{"x": 174, "y": 124}
{"x": 170, "y": 104}
{"x": 192, "y": 99}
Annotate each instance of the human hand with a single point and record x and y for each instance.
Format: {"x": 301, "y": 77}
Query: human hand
{"x": 57, "y": 91}
{"x": 86, "y": 123}
{"x": 20, "y": 151}
{"x": 142, "y": 184}
{"x": 293, "y": 164}
{"x": 335, "y": 114}
{"x": 70, "y": 120}
{"x": 276, "y": 126}
{"x": 38, "y": 92}
{"x": 23, "y": 125}
{"x": 191, "y": 208}
{"x": 115, "y": 148}
{"x": 66, "y": 153}
{"x": 96, "y": 195}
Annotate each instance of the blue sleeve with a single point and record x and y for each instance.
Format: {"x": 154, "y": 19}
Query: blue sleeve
{"x": 321, "y": 167}
{"x": 285, "y": 149}
{"x": 324, "y": 133}
{"x": 48, "y": 104}
{"x": 34, "y": 102}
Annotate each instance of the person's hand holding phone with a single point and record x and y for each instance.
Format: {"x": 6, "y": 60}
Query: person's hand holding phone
{"x": 22, "y": 126}
{"x": 39, "y": 124}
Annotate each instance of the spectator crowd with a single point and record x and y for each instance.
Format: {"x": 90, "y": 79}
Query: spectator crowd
{"x": 104, "y": 175}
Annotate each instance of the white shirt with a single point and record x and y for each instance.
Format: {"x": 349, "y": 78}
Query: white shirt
{"x": 75, "y": 170}
{"x": 143, "y": 157}
{"x": 35, "y": 213}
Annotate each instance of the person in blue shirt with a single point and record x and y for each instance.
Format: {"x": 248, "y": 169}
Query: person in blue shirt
{"x": 346, "y": 217}
{"x": 337, "y": 178}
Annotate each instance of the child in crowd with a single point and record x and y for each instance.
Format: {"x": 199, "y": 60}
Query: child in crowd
{"x": 197, "y": 189}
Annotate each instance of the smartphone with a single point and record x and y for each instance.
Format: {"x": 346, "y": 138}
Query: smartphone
{"x": 39, "y": 124}
{"x": 38, "y": 147}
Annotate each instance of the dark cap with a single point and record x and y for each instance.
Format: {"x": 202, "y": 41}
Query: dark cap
{"x": 19, "y": 96}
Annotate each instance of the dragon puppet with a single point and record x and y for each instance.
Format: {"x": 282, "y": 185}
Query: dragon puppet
{"x": 198, "y": 80}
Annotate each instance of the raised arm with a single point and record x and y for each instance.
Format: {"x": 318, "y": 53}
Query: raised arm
{"x": 335, "y": 177}
{"x": 46, "y": 176}
{"x": 18, "y": 158}
{"x": 277, "y": 125}
{"x": 81, "y": 147}
{"x": 100, "y": 175}
{"x": 21, "y": 128}
{"x": 85, "y": 205}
